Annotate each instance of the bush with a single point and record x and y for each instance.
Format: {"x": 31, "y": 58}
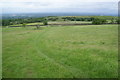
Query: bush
{"x": 23, "y": 25}
{"x": 45, "y": 22}
{"x": 37, "y": 26}
{"x": 118, "y": 21}
{"x": 99, "y": 21}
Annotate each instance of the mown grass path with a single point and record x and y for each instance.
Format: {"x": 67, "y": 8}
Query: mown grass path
{"x": 61, "y": 52}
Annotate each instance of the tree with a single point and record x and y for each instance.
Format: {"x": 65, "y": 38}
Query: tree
{"x": 45, "y": 22}
{"x": 23, "y": 25}
{"x": 99, "y": 21}
{"x": 96, "y": 21}
{"x": 118, "y": 21}
{"x": 5, "y": 22}
{"x": 112, "y": 20}
{"x": 38, "y": 26}
{"x": 103, "y": 21}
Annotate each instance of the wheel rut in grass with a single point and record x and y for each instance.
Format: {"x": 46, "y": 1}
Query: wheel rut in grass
{"x": 70, "y": 69}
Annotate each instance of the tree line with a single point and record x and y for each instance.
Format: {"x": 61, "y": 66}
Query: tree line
{"x": 6, "y": 22}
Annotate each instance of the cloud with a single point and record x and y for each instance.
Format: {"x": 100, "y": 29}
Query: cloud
{"x": 59, "y": 1}
{"x": 60, "y": 6}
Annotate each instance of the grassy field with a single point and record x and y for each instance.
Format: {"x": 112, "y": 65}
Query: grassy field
{"x": 0, "y": 52}
{"x": 56, "y": 22}
{"x": 61, "y": 52}
{"x": 69, "y": 22}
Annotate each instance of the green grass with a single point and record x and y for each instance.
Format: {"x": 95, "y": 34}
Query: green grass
{"x": 69, "y": 22}
{"x": 37, "y": 23}
{"x": 56, "y": 22}
{"x": 0, "y": 52}
{"x": 61, "y": 52}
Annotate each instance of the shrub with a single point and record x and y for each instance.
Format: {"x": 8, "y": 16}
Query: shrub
{"x": 45, "y": 22}
{"x": 23, "y": 25}
{"x": 99, "y": 21}
{"x": 118, "y": 21}
{"x": 37, "y": 26}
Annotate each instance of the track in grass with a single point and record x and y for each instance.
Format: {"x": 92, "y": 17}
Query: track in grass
{"x": 60, "y": 52}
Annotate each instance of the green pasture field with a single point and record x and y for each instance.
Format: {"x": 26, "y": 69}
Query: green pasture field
{"x": 84, "y": 51}
{"x": 60, "y": 22}
{"x": 56, "y": 22}
{"x": 37, "y": 23}
{"x": 69, "y": 22}
{"x": 0, "y": 52}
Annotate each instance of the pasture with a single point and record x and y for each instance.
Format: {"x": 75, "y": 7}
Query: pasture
{"x": 82, "y": 51}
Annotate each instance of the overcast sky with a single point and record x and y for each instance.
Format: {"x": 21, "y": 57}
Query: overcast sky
{"x": 80, "y": 6}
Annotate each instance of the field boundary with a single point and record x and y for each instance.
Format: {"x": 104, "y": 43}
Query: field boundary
{"x": 64, "y": 24}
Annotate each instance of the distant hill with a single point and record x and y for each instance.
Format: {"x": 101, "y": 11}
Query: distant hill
{"x": 36, "y": 15}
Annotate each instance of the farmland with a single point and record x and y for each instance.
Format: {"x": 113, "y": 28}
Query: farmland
{"x": 82, "y": 51}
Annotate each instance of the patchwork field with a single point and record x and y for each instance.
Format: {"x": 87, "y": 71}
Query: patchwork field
{"x": 69, "y": 22}
{"x": 85, "y": 51}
